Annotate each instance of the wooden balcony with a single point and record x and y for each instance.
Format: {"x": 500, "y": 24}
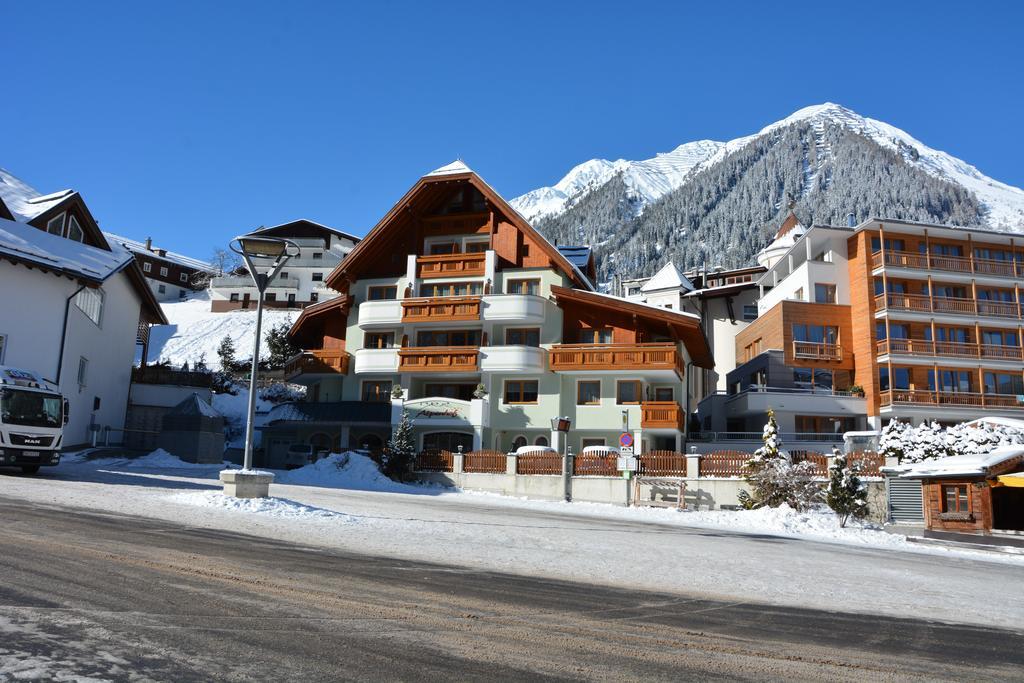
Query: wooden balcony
{"x": 805, "y": 350}
{"x": 953, "y": 399}
{"x": 951, "y": 264}
{"x": 661, "y": 415}
{"x": 923, "y": 347}
{"x": 317, "y": 362}
{"x": 922, "y": 303}
{"x": 439, "y": 359}
{"x": 451, "y": 265}
{"x": 633, "y": 357}
{"x": 441, "y": 309}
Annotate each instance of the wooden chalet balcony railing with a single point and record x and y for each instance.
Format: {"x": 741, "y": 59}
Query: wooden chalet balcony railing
{"x": 452, "y": 265}
{"x": 950, "y": 398}
{"x": 317, "y": 361}
{"x": 433, "y": 309}
{"x": 923, "y": 347}
{"x": 921, "y": 303}
{"x": 439, "y": 359}
{"x": 817, "y": 350}
{"x": 655, "y": 356}
{"x": 952, "y": 264}
{"x": 661, "y": 415}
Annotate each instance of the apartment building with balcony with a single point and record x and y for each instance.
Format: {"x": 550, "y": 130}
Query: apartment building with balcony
{"x": 878, "y": 320}
{"x": 301, "y": 283}
{"x": 454, "y": 309}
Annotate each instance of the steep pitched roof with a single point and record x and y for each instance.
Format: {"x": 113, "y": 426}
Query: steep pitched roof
{"x": 195, "y": 405}
{"x": 791, "y": 223}
{"x": 441, "y": 178}
{"x": 137, "y": 247}
{"x": 668, "y": 277}
{"x": 301, "y": 223}
{"x": 23, "y": 201}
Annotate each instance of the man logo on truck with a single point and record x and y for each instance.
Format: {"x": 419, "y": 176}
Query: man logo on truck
{"x": 32, "y": 419}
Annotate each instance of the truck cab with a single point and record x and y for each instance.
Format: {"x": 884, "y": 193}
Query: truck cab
{"x": 32, "y": 419}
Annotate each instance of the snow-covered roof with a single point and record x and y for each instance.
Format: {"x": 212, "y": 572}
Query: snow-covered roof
{"x": 27, "y": 243}
{"x": 996, "y": 421}
{"x": 577, "y": 256}
{"x": 632, "y": 302}
{"x": 668, "y": 277}
{"x": 23, "y": 200}
{"x": 195, "y": 405}
{"x": 963, "y": 465}
{"x": 140, "y": 248}
{"x": 457, "y": 166}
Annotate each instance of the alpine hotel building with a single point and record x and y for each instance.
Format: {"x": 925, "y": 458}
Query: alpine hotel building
{"x": 454, "y": 309}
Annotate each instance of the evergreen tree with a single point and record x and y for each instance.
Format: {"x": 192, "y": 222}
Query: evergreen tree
{"x": 892, "y": 440}
{"x": 280, "y": 346}
{"x": 226, "y": 354}
{"x": 773, "y": 478}
{"x": 400, "y": 451}
{"x": 846, "y": 494}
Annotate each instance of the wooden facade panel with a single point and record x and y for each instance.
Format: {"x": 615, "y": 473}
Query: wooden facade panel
{"x": 862, "y": 318}
{"x": 774, "y": 330}
{"x": 979, "y": 501}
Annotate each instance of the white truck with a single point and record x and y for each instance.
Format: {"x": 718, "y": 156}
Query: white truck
{"x": 32, "y": 419}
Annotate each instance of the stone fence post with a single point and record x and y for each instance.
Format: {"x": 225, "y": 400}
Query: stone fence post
{"x": 510, "y": 464}
{"x": 693, "y": 465}
{"x": 458, "y": 459}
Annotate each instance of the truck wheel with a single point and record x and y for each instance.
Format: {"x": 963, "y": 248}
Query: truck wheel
{"x": 29, "y": 469}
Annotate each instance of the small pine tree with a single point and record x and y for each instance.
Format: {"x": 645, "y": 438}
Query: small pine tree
{"x": 226, "y": 353}
{"x": 846, "y": 494}
{"x": 280, "y": 346}
{"x": 773, "y": 478}
{"x": 400, "y": 451}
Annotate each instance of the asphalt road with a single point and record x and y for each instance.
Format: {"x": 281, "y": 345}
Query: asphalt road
{"x": 115, "y": 597}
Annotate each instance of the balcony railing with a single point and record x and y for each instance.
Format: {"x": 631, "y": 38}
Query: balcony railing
{"x": 950, "y": 398}
{"x": 576, "y": 357}
{"x": 952, "y": 264}
{"x": 441, "y": 309}
{"x": 922, "y": 303}
{"x": 243, "y": 281}
{"x": 439, "y": 359}
{"x": 923, "y": 347}
{"x": 817, "y": 350}
{"x": 452, "y": 265}
{"x": 317, "y": 362}
{"x": 661, "y": 415}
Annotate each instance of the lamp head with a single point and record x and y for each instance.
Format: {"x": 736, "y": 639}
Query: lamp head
{"x": 261, "y": 247}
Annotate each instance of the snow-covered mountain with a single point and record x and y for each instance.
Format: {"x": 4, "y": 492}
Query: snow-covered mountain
{"x": 651, "y": 179}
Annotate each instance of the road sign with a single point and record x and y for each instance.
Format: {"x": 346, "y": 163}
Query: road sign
{"x": 626, "y": 440}
{"x": 626, "y": 463}
{"x": 626, "y": 450}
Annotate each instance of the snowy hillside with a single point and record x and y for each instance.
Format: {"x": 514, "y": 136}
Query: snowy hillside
{"x": 647, "y": 180}
{"x": 651, "y": 179}
{"x": 194, "y": 333}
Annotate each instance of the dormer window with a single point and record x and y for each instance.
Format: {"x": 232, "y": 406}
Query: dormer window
{"x": 75, "y": 231}
{"x": 55, "y": 226}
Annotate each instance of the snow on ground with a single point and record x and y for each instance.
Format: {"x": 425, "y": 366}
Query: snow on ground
{"x": 778, "y": 557}
{"x": 194, "y": 333}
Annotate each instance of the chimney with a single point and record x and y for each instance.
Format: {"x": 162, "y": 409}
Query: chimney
{"x": 149, "y": 244}
{"x": 851, "y": 220}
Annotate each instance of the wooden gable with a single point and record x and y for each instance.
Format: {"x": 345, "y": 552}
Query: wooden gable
{"x": 73, "y": 205}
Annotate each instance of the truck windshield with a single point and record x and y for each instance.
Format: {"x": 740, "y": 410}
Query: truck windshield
{"x": 30, "y": 408}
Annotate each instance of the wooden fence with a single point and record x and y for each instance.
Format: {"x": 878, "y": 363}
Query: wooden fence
{"x": 539, "y": 463}
{"x": 492, "y": 462}
{"x": 435, "y": 461}
{"x": 723, "y": 464}
{"x": 662, "y": 464}
{"x": 819, "y": 460}
{"x": 595, "y": 465}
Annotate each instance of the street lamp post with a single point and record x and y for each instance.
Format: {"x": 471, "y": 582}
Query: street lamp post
{"x": 247, "y": 483}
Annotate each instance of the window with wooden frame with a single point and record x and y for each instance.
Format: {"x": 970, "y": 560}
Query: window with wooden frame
{"x": 588, "y": 392}
{"x": 434, "y": 289}
{"x": 379, "y": 340}
{"x": 75, "y": 231}
{"x": 664, "y": 394}
{"x": 955, "y": 498}
{"x": 448, "y": 338}
{"x": 444, "y": 248}
{"x": 147, "y": 267}
{"x": 163, "y": 271}
{"x": 596, "y": 335}
{"x": 524, "y": 286}
{"x": 520, "y": 391}
{"x": 477, "y": 246}
{"x": 374, "y": 391}
{"x": 628, "y": 391}
{"x": 183, "y": 277}
{"x": 382, "y": 293}
{"x": 462, "y": 392}
{"x": 524, "y": 336}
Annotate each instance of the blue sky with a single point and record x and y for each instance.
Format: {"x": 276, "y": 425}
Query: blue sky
{"x": 193, "y": 122}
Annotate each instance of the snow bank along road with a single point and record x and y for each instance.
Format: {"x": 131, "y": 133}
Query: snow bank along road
{"x": 110, "y": 596}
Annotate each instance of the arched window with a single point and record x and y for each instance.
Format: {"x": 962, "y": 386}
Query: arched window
{"x": 540, "y": 441}
{"x": 519, "y": 442}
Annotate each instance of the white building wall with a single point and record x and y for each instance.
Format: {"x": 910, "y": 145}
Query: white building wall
{"x": 33, "y": 323}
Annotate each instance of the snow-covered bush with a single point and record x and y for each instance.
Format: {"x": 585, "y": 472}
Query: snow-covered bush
{"x": 892, "y": 441}
{"x": 774, "y": 479}
{"x": 846, "y": 493}
{"x": 929, "y": 441}
{"x": 282, "y": 392}
{"x": 400, "y": 451}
